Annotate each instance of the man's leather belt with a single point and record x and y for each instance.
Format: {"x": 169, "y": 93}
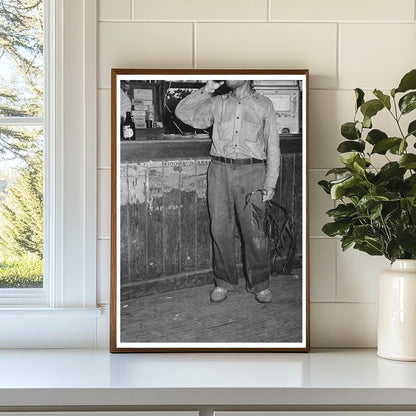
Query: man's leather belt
{"x": 249, "y": 161}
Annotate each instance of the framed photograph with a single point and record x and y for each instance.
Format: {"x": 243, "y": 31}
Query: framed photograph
{"x": 209, "y": 210}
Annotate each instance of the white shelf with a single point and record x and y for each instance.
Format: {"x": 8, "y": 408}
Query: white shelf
{"x": 56, "y": 378}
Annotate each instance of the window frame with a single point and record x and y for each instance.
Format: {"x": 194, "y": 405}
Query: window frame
{"x": 37, "y": 296}
{"x": 70, "y": 208}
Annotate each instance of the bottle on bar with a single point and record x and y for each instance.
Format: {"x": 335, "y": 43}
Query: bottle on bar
{"x": 129, "y": 129}
{"x": 122, "y": 128}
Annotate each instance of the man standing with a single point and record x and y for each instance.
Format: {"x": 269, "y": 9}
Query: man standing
{"x": 245, "y": 155}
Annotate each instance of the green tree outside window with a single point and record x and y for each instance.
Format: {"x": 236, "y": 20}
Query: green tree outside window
{"x": 21, "y": 143}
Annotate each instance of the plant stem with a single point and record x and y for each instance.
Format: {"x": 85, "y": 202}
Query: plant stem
{"x": 385, "y": 228}
{"x": 397, "y": 119}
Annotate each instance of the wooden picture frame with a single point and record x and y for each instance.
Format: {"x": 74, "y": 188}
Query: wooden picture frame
{"x": 161, "y": 247}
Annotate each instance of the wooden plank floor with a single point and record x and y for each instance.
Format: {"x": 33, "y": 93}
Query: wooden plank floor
{"x": 187, "y": 315}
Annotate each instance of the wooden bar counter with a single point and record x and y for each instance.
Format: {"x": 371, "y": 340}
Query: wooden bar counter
{"x": 164, "y": 223}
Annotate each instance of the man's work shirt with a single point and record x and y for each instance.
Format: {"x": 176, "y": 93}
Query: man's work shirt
{"x": 242, "y": 128}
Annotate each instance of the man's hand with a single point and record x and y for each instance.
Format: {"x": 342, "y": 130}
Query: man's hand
{"x": 211, "y": 86}
{"x": 268, "y": 193}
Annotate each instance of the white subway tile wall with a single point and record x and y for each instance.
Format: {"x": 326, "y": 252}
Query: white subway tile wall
{"x": 270, "y": 45}
{"x": 343, "y": 325}
{"x": 355, "y": 10}
{"x": 328, "y": 109}
{"x": 142, "y": 45}
{"x": 104, "y": 128}
{"x": 357, "y": 275}
{"x": 103, "y": 270}
{"x": 200, "y": 10}
{"x": 375, "y": 55}
{"x": 114, "y": 10}
{"x": 323, "y": 269}
{"x": 345, "y": 44}
{"x": 104, "y": 202}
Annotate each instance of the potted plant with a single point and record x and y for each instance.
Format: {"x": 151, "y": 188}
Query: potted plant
{"x": 376, "y": 209}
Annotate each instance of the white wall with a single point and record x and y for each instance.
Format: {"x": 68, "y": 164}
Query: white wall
{"x": 345, "y": 44}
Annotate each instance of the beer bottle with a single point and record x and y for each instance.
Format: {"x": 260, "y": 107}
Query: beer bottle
{"x": 129, "y": 129}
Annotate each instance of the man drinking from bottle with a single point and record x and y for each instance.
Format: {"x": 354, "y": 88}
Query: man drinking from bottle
{"x": 245, "y": 156}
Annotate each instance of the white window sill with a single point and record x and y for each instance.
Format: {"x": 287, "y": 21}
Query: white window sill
{"x": 41, "y": 327}
{"x": 331, "y": 379}
{"x": 40, "y": 311}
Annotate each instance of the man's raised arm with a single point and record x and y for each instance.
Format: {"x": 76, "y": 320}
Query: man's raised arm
{"x": 196, "y": 109}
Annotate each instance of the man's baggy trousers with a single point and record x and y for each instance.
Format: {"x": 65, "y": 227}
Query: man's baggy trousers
{"x": 228, "y": 187}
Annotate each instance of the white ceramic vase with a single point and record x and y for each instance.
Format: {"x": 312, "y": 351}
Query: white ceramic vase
{"x": 397, "y": 312}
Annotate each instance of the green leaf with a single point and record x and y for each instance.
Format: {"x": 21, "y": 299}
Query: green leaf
{"x": 367, "y": 122}
{"x": 336, "y": 228}
{"x": 408, "y": 161}
{"x": 369, "y": 201}
{"x": 342, "y": 179}
{"x": 411, "y": 183}
{"x": 349, "y": 146}
{"x": 338, "y": 171}
{"x": 393, "y": 250}
{"x": 413, "y": 211}
{"x": 368, "y": 248}
{"x": 371, "y": 108}
{"x": 359, "y": 94}
{"x": 408, "y": 102}
{"x": 400, "y": 148}
{"x": 374, "y": 242}
{"x": 383, "y": 145}
{"x": 338, "y": 189}
{"x": 412, "y": 201}
{"x": 325, "y": 186}
{"x": 375, "y": 211}
{"x": 361, "y": 231}
{"x": 359, "y": 165}
{"x": 391, "y": 212}
{"x": 393, "y": 92}
{"x": 375, "y": 136}
{"x": 407, "y": 240}
{"x": 342, "y": 211}
{"x": 411, "y": 130}
{"x": 348, "y": 158}
{"x": 408, "y": 82}
{"x": 346, "y": 242}
{"x": 411, "y": 180}
{"x": 391, "y": 170}
{"x": 349, "y": 131}
{"x": 348, "y": 187}
{"x": 385, "y": 99}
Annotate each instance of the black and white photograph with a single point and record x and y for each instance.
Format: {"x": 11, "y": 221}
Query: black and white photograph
{"x": 209, "y": 216}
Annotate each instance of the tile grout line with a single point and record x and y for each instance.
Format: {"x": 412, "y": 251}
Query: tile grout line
{"x": 338, "y": 63}
{"x": 308, "y": 22}
{"x": 336, "y": 272}
{"x": 131, "y": 10}
{"x": 194, "y": 63}
{"x": 269, "y": 10}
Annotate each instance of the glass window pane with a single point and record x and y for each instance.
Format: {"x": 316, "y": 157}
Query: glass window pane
{"x": 21, "y": 207}
{"x": 21, "y": 58}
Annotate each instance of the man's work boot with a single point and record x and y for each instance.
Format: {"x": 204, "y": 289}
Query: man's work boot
{"x": 265, "y": 296}
{"x": 218, "y": 294}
